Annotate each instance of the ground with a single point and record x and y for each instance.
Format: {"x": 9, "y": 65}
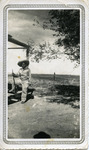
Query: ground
{"x": 26, "y": 120}
{"x": 49, "y": 112}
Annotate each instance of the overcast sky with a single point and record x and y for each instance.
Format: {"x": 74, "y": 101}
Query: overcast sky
{"x": 26, "y": 25}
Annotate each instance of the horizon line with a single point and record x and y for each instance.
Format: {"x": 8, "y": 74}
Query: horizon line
{"x": 49, "y": 74}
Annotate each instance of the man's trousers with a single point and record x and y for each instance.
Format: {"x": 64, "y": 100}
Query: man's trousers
{"x": 25, "y": 85}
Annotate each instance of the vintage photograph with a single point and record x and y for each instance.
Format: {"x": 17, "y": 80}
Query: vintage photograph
{"x": 43, "y": 61}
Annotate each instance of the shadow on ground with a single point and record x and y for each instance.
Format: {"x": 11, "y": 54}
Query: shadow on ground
{"x": 41, "y": 135}
{"x": 66, "y": 94}
{"x": 17, "y": 97}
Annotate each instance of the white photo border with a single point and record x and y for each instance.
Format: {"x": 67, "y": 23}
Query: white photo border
{"x": 82, "y": 87}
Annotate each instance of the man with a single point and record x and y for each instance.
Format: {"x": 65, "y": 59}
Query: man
{"x": 25, "y": 76}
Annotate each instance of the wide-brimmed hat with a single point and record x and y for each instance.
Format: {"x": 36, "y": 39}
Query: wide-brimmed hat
{"x": 23, "y": 61}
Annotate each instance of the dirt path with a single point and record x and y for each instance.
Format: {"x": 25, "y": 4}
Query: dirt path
{"x": 57, "y": 120}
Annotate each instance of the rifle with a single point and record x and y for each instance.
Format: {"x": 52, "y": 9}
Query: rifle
{"x": 13, "y": 90}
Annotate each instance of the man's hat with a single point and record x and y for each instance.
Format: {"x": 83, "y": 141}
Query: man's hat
{"x": 23, "y": 61}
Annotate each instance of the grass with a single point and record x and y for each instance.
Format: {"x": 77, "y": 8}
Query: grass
{"x": 54, "y": 111}
{"x": 65, "y": 89}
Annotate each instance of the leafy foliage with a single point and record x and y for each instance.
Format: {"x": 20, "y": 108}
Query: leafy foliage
{"x": 44, "y": 51}
{"x": 66, "y": 27}
{"x": 66, "y": 24}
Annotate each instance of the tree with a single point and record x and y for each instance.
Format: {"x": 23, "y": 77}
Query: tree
{"x": 66, "y": 24}
{"x": 66, "y": 27}
{"x": 45, "y": 51}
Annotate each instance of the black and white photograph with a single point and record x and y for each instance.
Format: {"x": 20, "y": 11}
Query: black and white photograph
{"x": 44, "y": 74}
{"x": 43, "y": 62}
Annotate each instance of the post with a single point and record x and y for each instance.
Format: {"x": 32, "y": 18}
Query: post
{"x": 54, "y": 76}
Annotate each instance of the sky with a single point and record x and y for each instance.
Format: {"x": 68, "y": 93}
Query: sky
{"x": 26, "y": 25}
